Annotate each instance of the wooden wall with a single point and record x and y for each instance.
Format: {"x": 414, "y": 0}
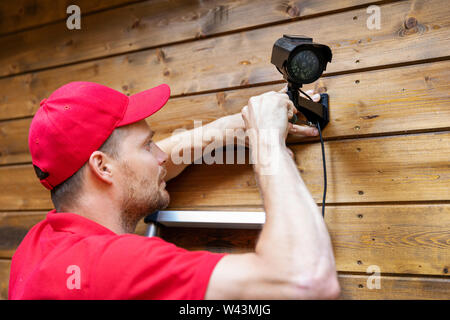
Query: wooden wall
{"x": 387, "y": 145}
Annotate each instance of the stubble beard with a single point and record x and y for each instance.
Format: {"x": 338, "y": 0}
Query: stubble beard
{"x": 140, "y": 199}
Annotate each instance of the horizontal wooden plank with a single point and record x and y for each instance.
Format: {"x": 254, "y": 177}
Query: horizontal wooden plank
{"x": 5, "y": 266}
{"x": 394, "y": 100}
{"x": 13, "y": 228}
{"x": 25, "y": 192}
{"x": 389, "y": 100}
{"x": 412, "y": 239}
{"x": 144, "y": 25}
{"x": 398, "y": 168}
{"x": 243, "y": 58}
{"x": 23, "y": 14}
{"x": 352, "y": 286}
{"x": 394, "y": 288}
{"x": 14, "y": 141}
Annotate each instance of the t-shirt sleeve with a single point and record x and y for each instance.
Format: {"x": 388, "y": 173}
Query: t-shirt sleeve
{"x": 137, "y": 267}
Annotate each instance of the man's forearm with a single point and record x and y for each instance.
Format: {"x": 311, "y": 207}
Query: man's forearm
{"x": 294, "y": 235}
{"x": 187, "y": 147}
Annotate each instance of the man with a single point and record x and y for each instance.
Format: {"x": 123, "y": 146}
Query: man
{"x": 91, "y": 147}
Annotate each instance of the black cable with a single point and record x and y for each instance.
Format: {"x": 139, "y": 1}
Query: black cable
{"x": 324, "y": 171}
{"x": 305, "y": 94}
{"x": 323, "y": 160}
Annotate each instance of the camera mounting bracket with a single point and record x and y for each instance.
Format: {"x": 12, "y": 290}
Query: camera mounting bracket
{"x": 313, "y": 111}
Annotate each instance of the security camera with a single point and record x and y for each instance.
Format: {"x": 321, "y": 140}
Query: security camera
{"x": 301, "y": 61}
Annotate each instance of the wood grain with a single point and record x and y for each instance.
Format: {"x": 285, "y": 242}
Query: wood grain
{"x": 412, "y": 239}
{"x": 398, "y": 168}
{"x": 141, "y": 25}
{"x": 23, "y": 14}
{"x": 388, "y": 88}
{"x": 394, "y": 288}
{"x": 5, "y": 265}
{"x": 384, "y": 101}
{"x": 13, "y": 228}
{"x": 243, "y": 58}
{"x": 414, "y": 98}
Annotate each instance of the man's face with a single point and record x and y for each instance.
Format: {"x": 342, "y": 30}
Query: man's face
{"x": 141, "y": 174}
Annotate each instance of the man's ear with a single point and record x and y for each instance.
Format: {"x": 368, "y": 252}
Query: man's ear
{"x": 101, "y": 166}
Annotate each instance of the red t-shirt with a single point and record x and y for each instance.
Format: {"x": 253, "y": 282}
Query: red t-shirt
{"x": 67, "y": 256}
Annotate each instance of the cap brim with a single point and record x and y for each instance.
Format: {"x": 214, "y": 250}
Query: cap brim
{"x": 145, "y": 103}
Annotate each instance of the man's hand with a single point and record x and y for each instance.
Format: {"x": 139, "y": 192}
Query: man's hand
{"x": 271, "y": 110}
{"x": 235, "y": 121}
{"x": 299, "y": 130}
{"x": 268, "y": 112}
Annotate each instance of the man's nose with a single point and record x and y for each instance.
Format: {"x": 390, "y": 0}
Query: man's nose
{"x": 163, "y": 157}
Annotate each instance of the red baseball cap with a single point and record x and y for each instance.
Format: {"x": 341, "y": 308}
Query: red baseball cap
{"x": 77, "y": 119}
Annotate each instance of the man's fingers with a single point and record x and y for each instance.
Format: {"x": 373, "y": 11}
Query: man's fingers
{"x": 291, "y": 109}
{"x": 303, "y": 130}
{"x": 316, "y": 97}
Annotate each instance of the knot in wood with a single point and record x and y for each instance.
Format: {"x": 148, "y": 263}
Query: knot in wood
{"x": 410, "y": 23}
{"x": 136, "y": 24}
{"x": 293, "y": 11}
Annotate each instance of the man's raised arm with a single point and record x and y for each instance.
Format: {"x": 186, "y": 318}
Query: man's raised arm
{"x": 187, "y": 146}
{"x": 293, "y": 258}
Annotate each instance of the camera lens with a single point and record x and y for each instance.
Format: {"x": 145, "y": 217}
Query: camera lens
{"x": 305, "y": 66}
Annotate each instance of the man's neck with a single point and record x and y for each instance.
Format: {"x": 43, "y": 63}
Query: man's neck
{"x": 104, "y": 213}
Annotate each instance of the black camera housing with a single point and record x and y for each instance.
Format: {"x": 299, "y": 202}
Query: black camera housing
{"x": 301, "y": 61}
{"x": 286, "y": 49}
